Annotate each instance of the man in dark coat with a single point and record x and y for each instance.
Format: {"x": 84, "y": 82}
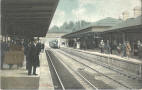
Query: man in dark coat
{"x": 33, "y": 61}
{"x": 2, "y": 53}
{"x": 38, "y": 47}
{"x": 26, "y": 52}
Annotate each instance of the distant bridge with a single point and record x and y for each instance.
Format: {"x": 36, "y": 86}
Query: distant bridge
{"x": 55, "y": 35}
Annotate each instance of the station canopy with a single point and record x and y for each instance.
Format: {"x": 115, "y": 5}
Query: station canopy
{"x": 27, "y": 18}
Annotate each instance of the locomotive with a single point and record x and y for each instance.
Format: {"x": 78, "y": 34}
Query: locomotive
{"x": 54, "y": 44}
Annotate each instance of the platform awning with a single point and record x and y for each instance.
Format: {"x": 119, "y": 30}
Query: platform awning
{"x": 27, "y": 17}
{"x": 86, "y": 31}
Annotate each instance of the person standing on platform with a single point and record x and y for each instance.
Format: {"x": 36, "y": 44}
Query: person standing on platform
{"x": 108, "y": 48}
{"x": 26, "y": 52}
{"x": 84, "y": 45}
{"x": 42, "y": 47}
{"x": 139, "y": 49}
{"x": 119, "y": 48}
{"x": 115, "y": 46}
{"x": 38, "y": 48}
{"x": 102, "y": 45}
{"x": 128, "y": 49}
{"x": 33, "y": 62}
{"x": 136, "y": 49}
{"x": 2, "y": 48}
{"x": 124, "y": 49}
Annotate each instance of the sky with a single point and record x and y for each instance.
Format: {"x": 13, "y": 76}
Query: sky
{"x": 91, "y": 10}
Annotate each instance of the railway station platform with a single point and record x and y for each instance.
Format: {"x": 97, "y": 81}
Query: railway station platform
{"x": 130, "y": 66}
{"x": 19, "y": 79}
{"x": 89, "y": 65}
{"x": 97, "y": 52}
{"x": 45, "y": 82}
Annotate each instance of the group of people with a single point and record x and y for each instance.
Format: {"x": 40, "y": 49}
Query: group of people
{"x": 32, "y": 49}
{"x": 124, "y": 49}
{"x": 9, "y": 46}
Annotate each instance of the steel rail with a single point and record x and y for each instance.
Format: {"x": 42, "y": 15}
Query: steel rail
{"x": 87, "y": 80}
{"x": 107, "y": 66}
{"x": 79, "y": 74}
{"x": 96, "y": 70}
{"x": 56, "y": 71}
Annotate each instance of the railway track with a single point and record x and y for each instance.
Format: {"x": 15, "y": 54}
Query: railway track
{"x": 101, "y": 63}
{"x": 61, "y": 77}
{"x": 92, "y": 86}
{"x": 65, "y": 53}
{"x": 60, "y": 84}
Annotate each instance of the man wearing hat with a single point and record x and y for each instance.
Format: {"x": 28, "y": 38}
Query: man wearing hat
{"x": 33, "y": 61}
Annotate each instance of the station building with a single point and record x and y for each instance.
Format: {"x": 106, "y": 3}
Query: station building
{"x": 90, "y": 37}
{"x": 92, "y": 33}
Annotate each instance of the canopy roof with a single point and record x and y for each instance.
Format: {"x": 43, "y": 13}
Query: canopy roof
{"x": 27, "y": 18}
{"x": 131, "y": 25}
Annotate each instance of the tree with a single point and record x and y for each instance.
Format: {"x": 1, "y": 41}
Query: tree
{"x": 70, "y": 27}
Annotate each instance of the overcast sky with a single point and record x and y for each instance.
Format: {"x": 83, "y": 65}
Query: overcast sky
{"x": 91, "y": 10}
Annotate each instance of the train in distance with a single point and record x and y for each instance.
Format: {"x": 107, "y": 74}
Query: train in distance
{"x": 54, "y": 44}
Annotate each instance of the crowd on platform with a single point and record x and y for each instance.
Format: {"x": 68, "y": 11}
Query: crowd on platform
{"x": 7, "y": 46}
{"x": 123, "y": 49}
{"x": 31, "y": 49}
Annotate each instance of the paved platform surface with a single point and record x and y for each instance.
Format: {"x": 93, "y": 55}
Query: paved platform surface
{"x": 19, "y": 79}
{"x": 137, "y": 61}
{"x": 45, "y": 82}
